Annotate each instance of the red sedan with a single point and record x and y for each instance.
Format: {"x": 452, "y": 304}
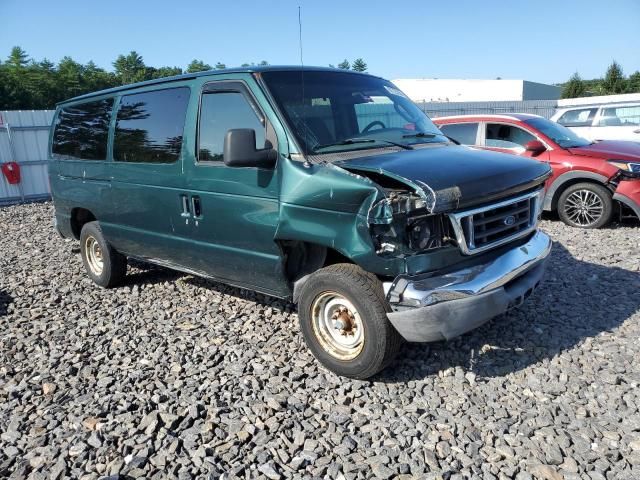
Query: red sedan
{"x": 591, "y": 182}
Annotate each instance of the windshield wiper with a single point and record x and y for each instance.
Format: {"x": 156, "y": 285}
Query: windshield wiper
{"x": 353, "y": 141}
{"x": 419, "y": 135}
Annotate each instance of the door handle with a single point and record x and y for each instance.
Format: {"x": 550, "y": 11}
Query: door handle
{"x": 636, "y": 131}
{"x": 196, "y": 208}
{"x": 185, "y": 206}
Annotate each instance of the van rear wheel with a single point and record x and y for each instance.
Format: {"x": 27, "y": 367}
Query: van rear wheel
{"x": 103, "y": 263}
{"x": 343, "y": 319}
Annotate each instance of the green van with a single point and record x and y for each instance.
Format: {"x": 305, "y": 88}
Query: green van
{"x": 324, "y": 187}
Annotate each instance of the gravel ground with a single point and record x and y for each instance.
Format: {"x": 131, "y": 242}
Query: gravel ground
{"x": 173, "y": 376}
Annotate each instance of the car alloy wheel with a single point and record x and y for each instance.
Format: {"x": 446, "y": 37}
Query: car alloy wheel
{"x": 584, "y": 207}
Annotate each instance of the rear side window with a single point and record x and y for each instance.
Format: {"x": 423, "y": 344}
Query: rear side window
{"x": 81, "y": 131}
{"x": 578, "y": 118}
{"x": 221, "y": 112}
{"x": 150, "y": 125}
{"x": 465, "y": 133}
{"x": 628, "y": 116}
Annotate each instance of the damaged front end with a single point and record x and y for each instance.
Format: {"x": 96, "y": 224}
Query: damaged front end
{"x": 401, "y": 224}
{"x": 411, "y": 217}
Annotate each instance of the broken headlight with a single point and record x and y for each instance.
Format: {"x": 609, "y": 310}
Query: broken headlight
{"x": 401, "y": 225}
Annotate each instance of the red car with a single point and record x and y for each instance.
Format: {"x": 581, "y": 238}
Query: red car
{"x": 591, "y": 182}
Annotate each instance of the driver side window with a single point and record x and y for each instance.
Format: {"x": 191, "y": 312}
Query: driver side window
{"x": 507, "y": 136}
{"x": 219, "y": 113}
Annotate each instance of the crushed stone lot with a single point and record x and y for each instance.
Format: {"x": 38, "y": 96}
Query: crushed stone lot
{"x": 172, "y": 376}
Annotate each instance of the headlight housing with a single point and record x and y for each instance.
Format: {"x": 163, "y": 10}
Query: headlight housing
{"x": 626, "y": 166}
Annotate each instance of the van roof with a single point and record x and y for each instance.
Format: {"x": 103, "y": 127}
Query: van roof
{"x": 187, "y": 76}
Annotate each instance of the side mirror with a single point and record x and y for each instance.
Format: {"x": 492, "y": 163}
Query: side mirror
{"x": 240, "y": 150}
{"x": 536, "y": 147}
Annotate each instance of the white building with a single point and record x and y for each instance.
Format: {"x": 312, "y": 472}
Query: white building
{"x": 460, "y": 90}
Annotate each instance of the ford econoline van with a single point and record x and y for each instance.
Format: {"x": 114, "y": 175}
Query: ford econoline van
{"x": 324, "y": 187}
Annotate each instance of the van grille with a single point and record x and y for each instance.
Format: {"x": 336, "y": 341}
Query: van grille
{"x": 483, "y": 228}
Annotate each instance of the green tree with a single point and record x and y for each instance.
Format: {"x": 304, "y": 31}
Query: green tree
{"x": 70, "y": 76}
{"x": 18, "y": 58}
{"x": 344, "y": 65}
{"x": 130, "y": 68}
{"x": 163, "y": 72}
{"x": 95, "y": 78}
{"x": 614, "y": 81}
{"x": 220, "y": 66}
{"x": 633, "y": 83}
{"x": 359, "y": 65}
{"x": 574, "y": 88}
{"x": 263, "y": 63}
{"x": 197, "y": 66}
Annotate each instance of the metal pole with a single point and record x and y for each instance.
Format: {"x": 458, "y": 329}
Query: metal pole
{"x": 13, "y": 157}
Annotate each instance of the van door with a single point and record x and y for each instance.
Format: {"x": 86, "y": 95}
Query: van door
{"x": 235, "y": 210}
{"x": 147, "y": 217}
{"x": 618, "y": 122}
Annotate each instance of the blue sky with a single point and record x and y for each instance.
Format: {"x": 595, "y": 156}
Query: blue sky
{"x": 539, "y": 40}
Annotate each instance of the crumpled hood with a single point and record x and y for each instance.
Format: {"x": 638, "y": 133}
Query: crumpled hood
{"x": 609, "y": 149}
{"x": 458, "y": 176}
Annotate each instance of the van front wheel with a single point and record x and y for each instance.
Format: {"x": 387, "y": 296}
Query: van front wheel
{"x": 103, "y": 263}
{"x": 343, "y": 319}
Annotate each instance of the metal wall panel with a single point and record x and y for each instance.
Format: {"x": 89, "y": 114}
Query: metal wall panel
{"x": 24, "y": 138}
{"x": 544, "y": 108}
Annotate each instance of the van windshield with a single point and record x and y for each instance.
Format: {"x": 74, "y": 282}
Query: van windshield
{"x": 340, "y": 112}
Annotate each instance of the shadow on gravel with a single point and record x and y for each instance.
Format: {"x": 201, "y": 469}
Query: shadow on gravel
{"x": 148, "y": 274}
{"x": 577, "y": 300}
{"x": 5, "y": 301}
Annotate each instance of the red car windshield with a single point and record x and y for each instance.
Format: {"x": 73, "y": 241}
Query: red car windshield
{"x": 556, "y": 132}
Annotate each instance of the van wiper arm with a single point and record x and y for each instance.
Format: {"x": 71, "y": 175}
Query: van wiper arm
{"x": 353, "y": 141}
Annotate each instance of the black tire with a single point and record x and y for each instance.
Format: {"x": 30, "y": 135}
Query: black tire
{"x": 601, "y": 211}
{"x": 114, "y": 264}
{"x": 380, "y": 341}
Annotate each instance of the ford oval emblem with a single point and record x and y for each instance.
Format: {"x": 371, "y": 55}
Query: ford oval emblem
{"x": 509, "y": 220}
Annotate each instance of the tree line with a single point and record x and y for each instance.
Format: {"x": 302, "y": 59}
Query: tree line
{"x": 614, "y": 82}
{"x": 27, "y": 84}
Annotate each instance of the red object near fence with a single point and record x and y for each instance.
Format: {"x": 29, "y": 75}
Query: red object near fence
{"x": 11, "y": 171}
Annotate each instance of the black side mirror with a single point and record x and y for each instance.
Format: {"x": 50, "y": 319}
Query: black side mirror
{"x": 240, "y": 150}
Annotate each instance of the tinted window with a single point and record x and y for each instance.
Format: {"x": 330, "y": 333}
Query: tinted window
{"x": 465, "y": 133}
{"x": 507, "y": 136}
{"x": 81, "y": 131}
{"x": 578, "y": 118}
{"x": 620, "y": 116}
{"x": 149, "y": 126}
{"x": 219, "y": 113}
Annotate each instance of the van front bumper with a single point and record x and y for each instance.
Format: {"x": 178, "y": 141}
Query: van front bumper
{"x": 428, "y": 308}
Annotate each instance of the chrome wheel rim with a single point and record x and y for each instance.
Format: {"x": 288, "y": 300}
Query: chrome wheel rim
{"x": 337, "y": 325}
{"x": 93, "y": 253}
{"x": 584, "y": 207}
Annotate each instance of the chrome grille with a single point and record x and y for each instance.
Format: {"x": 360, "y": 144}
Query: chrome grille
{"x": 487, "y": 227}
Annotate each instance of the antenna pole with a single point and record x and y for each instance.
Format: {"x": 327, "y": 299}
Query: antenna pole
{"x": 304, "y": 105}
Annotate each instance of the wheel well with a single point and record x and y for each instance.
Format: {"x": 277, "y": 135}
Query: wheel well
{"x": 567, "y": 184}
{"x": 303, "y": 258}
{"x": 80, "y": 216}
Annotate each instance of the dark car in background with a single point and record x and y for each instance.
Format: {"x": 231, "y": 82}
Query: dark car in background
{"x": 592, "y": 181}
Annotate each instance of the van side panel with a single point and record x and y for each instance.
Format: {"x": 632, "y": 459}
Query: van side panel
{"x": 77, "y": 183}
{"x": 145, "y": 215}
